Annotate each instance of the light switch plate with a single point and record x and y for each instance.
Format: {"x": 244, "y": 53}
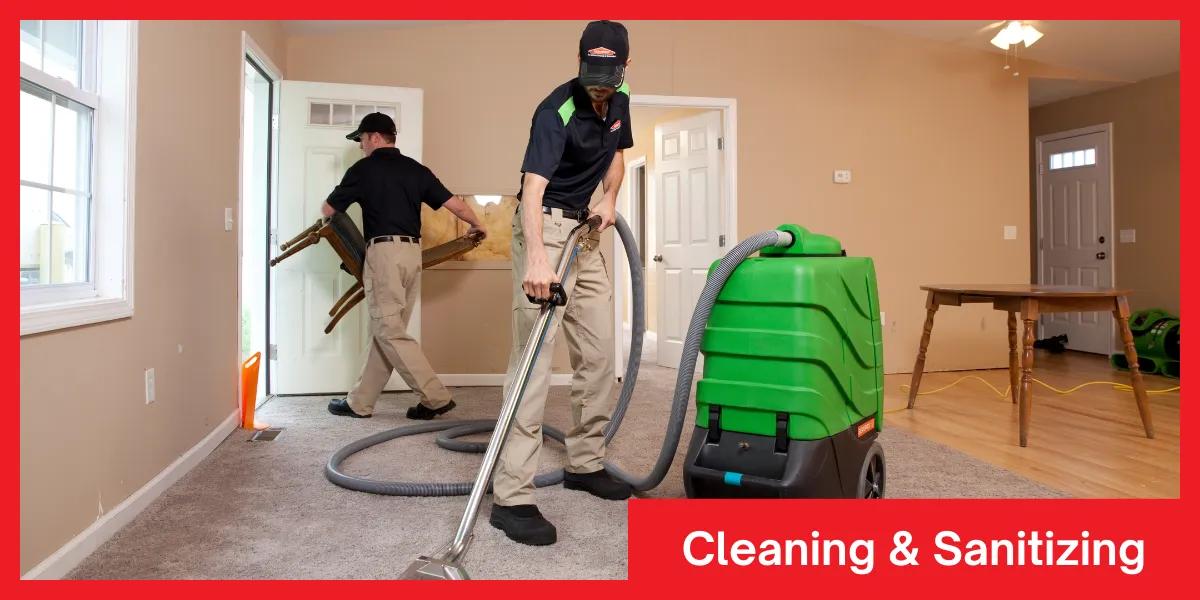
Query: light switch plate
{"x": 1010, "y": 232}
{"x": 229, "y": 219}
{"x": 841, "y": 176}
{"x": 1128, "y": 236}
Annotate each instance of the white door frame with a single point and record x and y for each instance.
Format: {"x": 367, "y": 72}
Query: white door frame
{"x": 249, "y": 48}
{"x": 728, "y": 108}
{"x": 1105, "y": 128}
{"x": 619, "y": 248}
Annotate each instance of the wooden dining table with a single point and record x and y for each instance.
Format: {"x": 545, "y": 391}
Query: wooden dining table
{"x": 1028, "y": 301}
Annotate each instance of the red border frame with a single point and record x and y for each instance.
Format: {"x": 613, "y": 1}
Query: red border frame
{"x": 657, "y": 527}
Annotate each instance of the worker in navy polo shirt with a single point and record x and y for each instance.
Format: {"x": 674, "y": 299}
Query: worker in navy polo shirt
{"x": 576, "y": 144}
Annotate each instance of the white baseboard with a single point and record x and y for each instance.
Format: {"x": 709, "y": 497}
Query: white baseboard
{"x": 73, "y": 553}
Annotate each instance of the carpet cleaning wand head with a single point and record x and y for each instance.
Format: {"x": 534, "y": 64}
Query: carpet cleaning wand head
{"x": 448, "y": 563}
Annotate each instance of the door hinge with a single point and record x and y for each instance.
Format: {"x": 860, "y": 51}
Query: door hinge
{"x": 720, "y": 143}
{"x": 1039, "y": 243}
{"x": 272, "y": 352}
{"x": 1041, "y": 169}
{"x": 275, "y": 238}
{"x": 721, "y": 241}
{"x": 274, "y": 121}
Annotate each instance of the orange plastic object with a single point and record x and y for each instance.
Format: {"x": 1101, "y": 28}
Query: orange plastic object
{"x": 250, "y": 393}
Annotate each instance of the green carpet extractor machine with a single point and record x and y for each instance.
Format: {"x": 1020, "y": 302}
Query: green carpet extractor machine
{"x": 789, "y": 406}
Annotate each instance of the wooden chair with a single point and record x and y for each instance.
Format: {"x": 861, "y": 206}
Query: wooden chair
{"x": 348, "y": 242}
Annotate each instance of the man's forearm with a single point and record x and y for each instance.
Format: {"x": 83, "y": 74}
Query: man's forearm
{"x": 462, "y": 211}
{"x": 531, "y": 218}
{"x": 613, "y": 177}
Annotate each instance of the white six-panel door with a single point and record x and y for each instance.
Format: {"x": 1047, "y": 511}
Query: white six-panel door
{"x": 313, "y": 155}
{"x": 687, "y": 201}
{"x": 1077, "y": 233}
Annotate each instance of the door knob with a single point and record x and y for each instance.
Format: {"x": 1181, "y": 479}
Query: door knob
{"x": 1100, "y": 255}
{"x": 657, "y": 258}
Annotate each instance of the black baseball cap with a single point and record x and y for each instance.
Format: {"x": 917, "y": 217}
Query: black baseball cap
{"x": 603, "y": 50}
{"x": 373, "y": 123}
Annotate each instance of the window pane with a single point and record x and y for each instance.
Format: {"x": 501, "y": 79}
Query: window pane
{"x": 67, "y": 244}
{"x": 63, "y": 50}
{"x": 1055, "y": 161}
{"x": 35, "y": 218}
{"x": 1079, "y": 158}
{"x": 35, "y": 133}
{"x": 31, "y": 43}
{"x": 72, "y": 145}
{"x": 389, "y": 111}
{"x": 1068, "y": 159}
{"x": 1090, "y": 156}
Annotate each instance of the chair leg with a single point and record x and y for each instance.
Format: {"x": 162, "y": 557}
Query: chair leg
{"x": 1014, "y": 359}
{"x": 351, "y": 303}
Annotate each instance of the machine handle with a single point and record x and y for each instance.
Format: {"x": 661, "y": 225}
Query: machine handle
{"x": 738, "y": 479}
{"x": 558, "y": 296}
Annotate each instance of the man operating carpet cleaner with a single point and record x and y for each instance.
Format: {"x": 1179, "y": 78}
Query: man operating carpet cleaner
{"x": 390, "y": 188}
{"x": 576, "y": 143}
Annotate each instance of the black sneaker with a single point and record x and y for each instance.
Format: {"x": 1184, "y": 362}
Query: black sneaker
{"x": 342, "y": 409}
{"x": 599, "y": 484}
{"x": 524, "y": 524}
{"x": 421, "y": 412}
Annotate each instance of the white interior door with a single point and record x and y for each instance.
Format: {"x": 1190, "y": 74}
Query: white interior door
{"x": 1077, "y": 233}
{"x": 313, "y": 155}
{"x": 687, "y": 204}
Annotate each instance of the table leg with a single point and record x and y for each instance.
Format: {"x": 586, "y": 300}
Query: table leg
{"x": 1121, "y": 312}
{"x": 930, "y": 308}
{"x": 1029, "y": 313}
{"x": 1014, "y": 359}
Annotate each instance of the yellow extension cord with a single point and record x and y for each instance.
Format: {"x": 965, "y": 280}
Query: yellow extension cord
{"x": 1122, "y": 387}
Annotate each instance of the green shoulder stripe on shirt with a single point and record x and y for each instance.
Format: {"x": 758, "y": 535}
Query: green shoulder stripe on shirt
{"x": 624, "y": 89}
{"x": 566, "y": 110}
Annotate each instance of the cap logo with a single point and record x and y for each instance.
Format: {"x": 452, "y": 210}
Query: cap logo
{"x": 602, "y": 52}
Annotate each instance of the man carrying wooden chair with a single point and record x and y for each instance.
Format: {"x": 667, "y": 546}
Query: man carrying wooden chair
{"x": 390, "y": 188}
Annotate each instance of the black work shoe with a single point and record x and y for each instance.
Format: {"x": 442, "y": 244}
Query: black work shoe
{"x": 599, "y": 484}
{"x": 342, "y": 409}
{"x": 421, "y": 412}
{"x": 524, "y": 523}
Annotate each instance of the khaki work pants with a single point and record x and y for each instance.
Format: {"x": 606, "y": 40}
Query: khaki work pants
{"x": 587, "y": 322}
{"x": 391, "y": 287}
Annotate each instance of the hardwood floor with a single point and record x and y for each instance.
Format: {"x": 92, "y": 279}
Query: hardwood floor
{"x": 1089, "y": 443}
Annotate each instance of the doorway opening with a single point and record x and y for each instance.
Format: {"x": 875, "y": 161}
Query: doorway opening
{"x": 1075, "y": 230}
{"x": 679, "y": 199}
{"x": 257, "y": 173}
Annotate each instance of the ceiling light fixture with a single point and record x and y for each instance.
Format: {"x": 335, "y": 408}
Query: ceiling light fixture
{"x": 1016, "y": 33}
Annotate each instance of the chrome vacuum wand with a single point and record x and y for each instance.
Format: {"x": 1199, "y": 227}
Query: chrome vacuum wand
{"x": 447, "y": 564}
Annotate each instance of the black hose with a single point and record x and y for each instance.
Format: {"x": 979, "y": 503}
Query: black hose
{"x": 683, "y": 388}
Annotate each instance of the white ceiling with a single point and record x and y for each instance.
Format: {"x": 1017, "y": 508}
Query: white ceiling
{"x": 1125, "y": 50}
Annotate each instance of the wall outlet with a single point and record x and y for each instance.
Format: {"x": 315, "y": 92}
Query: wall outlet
{"x": 1128, "y": 236}
{"x": 149, "y": 385}
{"x": 1010, "y": 232}
{"x": 841, "y": 176}
{"x": 229, "y": 219}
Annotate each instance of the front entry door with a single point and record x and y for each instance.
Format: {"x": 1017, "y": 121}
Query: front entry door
{"x": 313, "y": 155}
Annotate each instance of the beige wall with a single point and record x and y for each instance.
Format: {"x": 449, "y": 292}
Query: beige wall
{"x": 1145, "y": 148}
{"x": 937, "y": 139}
{"x": 88, "y": 439}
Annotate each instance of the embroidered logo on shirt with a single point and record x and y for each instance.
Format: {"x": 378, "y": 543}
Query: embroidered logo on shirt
{"x": 615, "y": 126}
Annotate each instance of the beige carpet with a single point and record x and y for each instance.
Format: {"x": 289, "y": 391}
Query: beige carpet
{"x": 264, "y": 510}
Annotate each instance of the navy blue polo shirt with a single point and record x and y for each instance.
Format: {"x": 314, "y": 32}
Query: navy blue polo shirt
{"x": 389, "y": 187}
{"x": 572, "y": 146}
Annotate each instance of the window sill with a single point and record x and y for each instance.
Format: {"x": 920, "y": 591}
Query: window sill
{"x": 44, "y": 318}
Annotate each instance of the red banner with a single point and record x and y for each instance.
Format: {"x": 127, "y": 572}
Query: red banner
{"x": 1110, "y": 546}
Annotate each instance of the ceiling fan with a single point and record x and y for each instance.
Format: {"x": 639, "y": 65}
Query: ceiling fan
{"x": 1012, "y": 35}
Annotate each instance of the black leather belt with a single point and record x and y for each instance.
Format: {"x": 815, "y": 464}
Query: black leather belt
{"x": 393, "y": 238}
{"x": 577, "y": 215}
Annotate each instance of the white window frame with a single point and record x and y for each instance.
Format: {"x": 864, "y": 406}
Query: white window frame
{"x": 109, "y": 75}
